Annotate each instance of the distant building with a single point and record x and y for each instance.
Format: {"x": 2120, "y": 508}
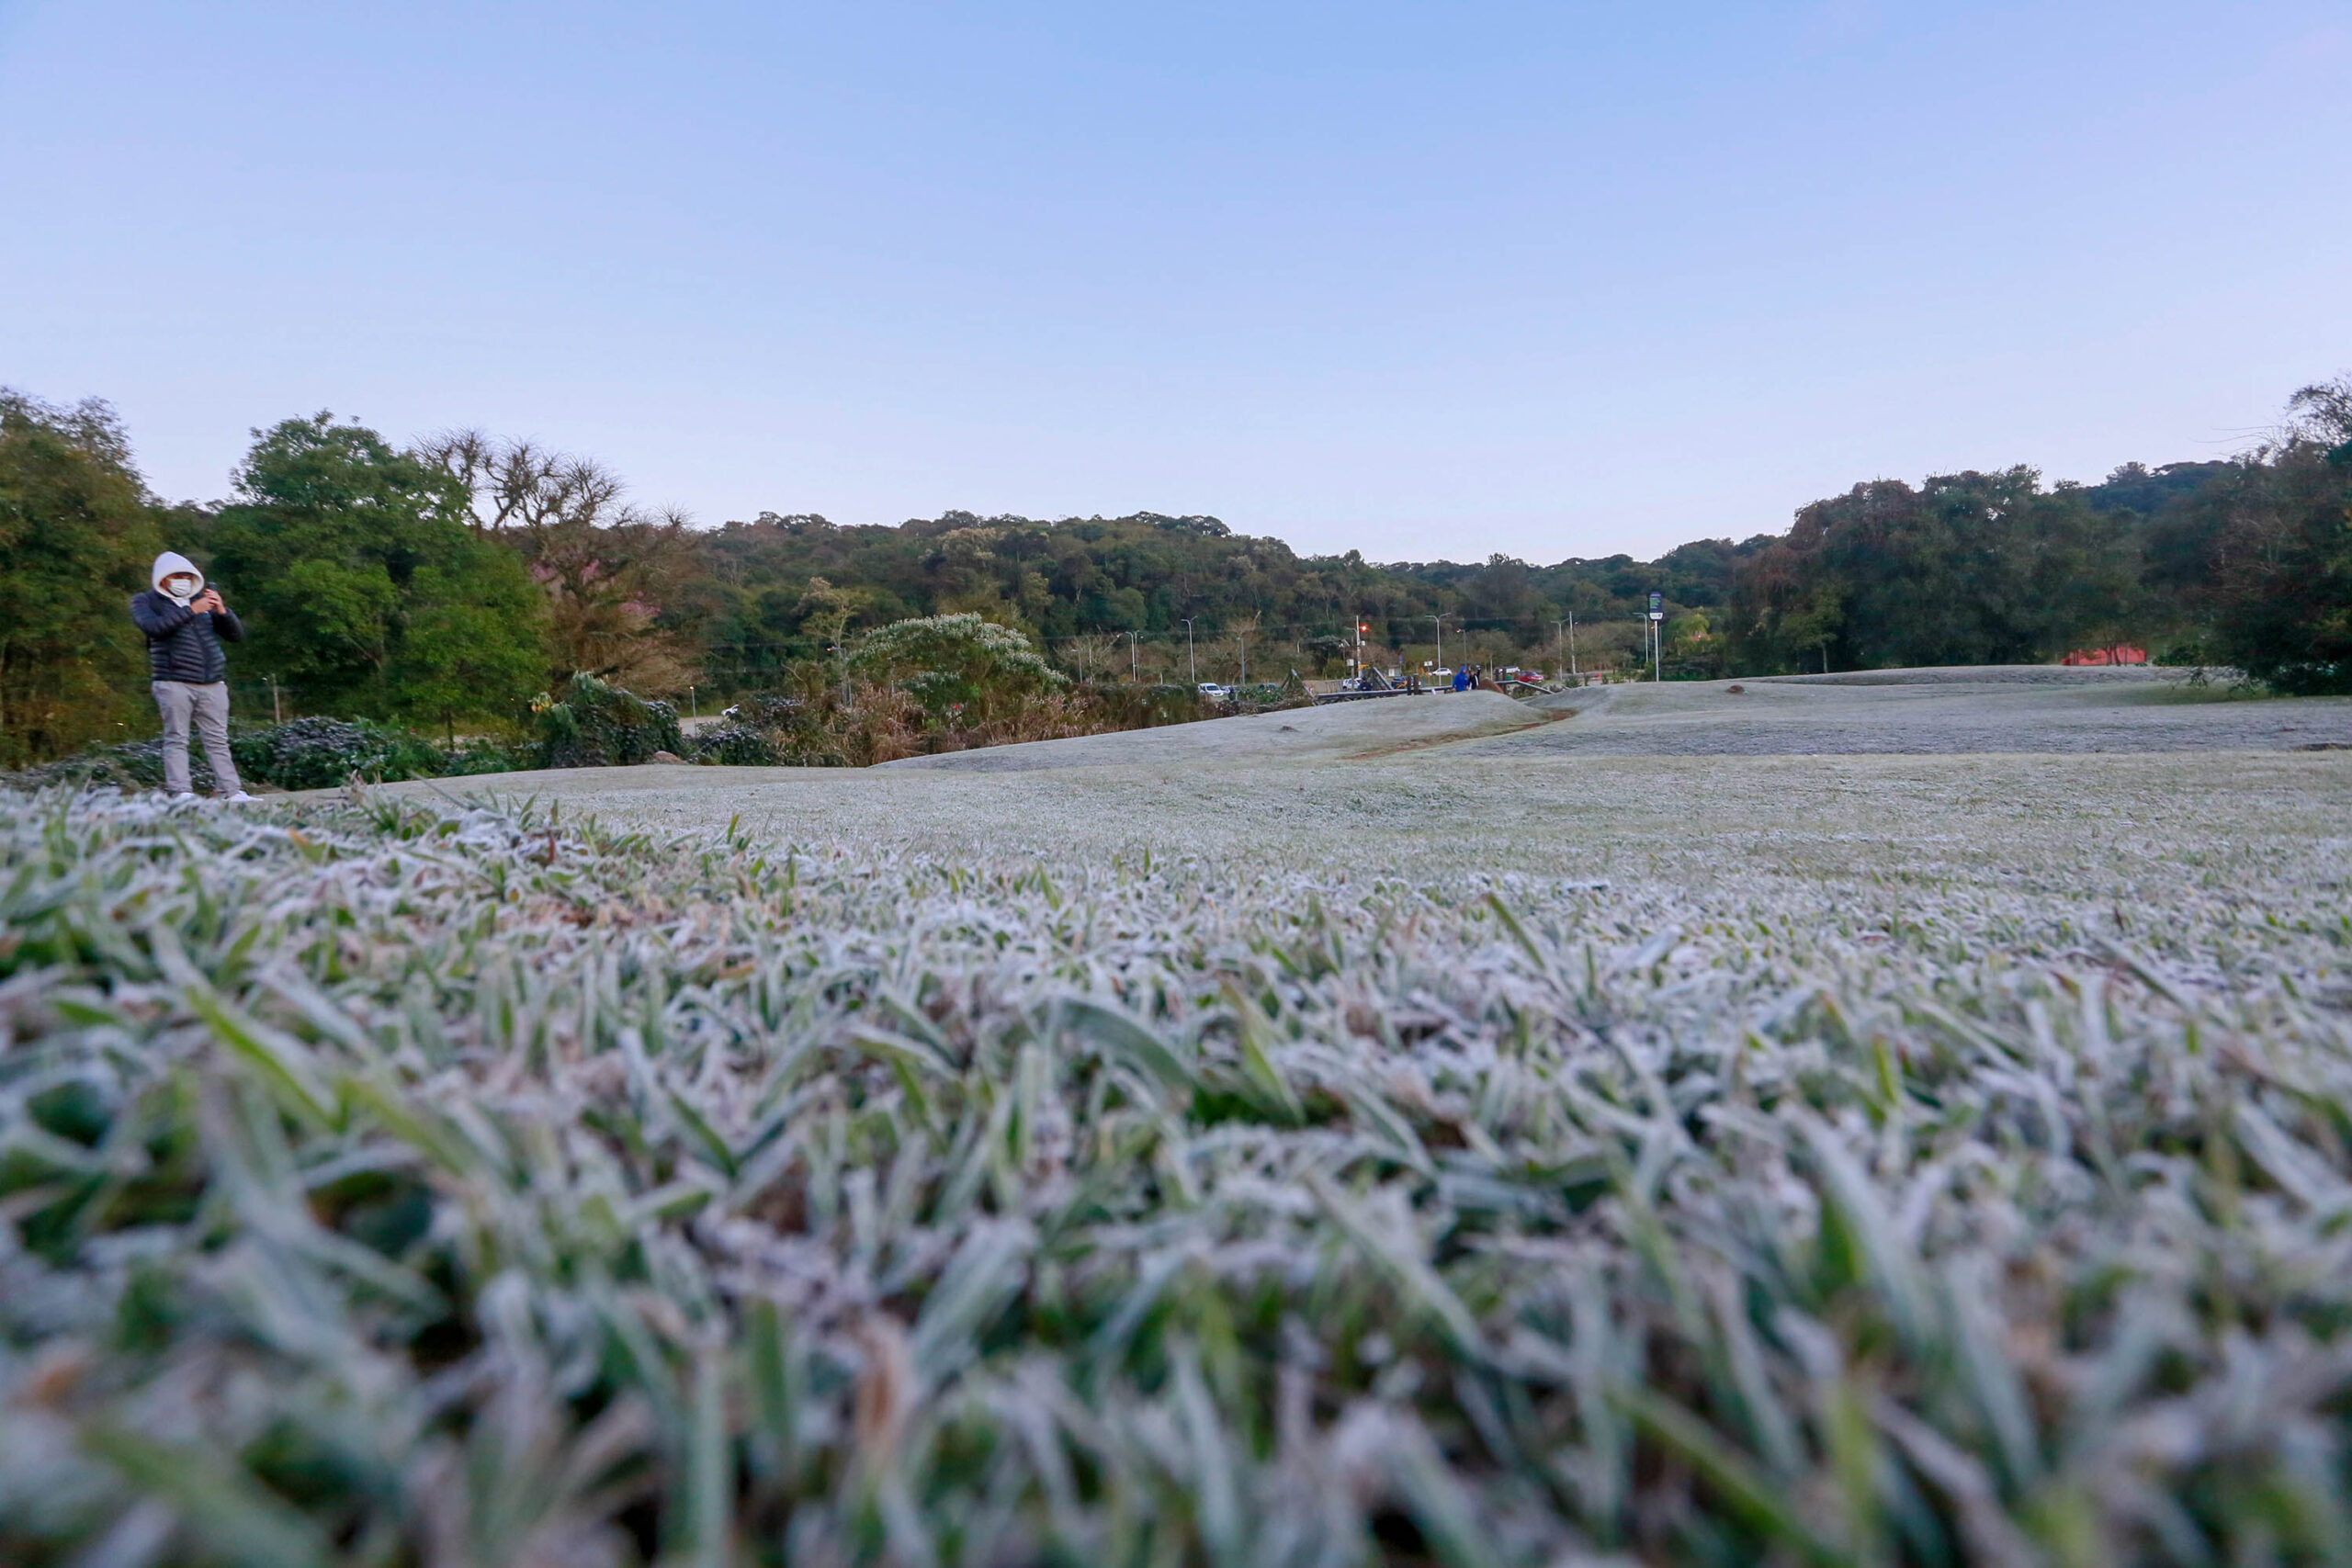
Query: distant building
{"x": 2122, "y": 653}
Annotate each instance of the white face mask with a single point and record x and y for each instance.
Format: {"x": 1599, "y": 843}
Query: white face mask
{"x": 180, "y": 588}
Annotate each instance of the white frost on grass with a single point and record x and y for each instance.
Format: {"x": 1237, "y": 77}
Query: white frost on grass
{"x": 1892, "y": 1160}
{"x": 1999, "y": 709}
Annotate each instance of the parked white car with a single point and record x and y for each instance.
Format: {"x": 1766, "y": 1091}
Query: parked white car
{"x": 1215, "y": 692}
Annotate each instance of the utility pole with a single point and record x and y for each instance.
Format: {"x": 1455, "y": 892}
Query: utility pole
{"x": 276, "y": 717}
{"x": 1439, "y": 622}
{"x": 1190, "y": 662}
{"x": 1134, "y": 668}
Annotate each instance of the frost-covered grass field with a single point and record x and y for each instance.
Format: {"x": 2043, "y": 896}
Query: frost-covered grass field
{"x": 1425, "y": 1157}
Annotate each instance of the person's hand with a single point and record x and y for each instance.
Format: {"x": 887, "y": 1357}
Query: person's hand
{"x": 210, "y": 601}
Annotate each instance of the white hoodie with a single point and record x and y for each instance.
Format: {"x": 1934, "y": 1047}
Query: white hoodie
{"x": 173, "y": 564}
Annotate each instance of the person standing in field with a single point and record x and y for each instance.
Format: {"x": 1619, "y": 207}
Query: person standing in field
{"x": 185, "y": 622}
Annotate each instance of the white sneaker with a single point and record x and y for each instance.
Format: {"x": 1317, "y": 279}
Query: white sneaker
{"x": 239, "y": 798}
{"x": 182, "y": 795}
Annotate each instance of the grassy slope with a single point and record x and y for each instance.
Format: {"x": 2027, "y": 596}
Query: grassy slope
{"x": 1788, "y": 1159}
{"x": 1369, "y": 726}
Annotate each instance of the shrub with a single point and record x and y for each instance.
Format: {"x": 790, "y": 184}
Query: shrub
{"x": 303, "y": 753}
{"x": 2186, "y": 652}
{"x": 737, "y": 745}
{"x": 767, "y": 711}
{"x": 135, "y": 764}
{"x": 592, "y": 725}
{"x": 1130, "y": 706}
{"x": 483, "y": 755}
{"x": 820, "y": 729}
{"x": 318, "y": 754}
{"x": 961, "y": 670}
{"x": 750, "y": 734}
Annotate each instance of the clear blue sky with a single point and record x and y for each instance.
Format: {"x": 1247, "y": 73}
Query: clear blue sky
{"x": 1428, "y": 280}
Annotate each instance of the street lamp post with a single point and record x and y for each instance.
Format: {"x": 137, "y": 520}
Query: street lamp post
{"x": 1190, "y": 662}
{"x": 1439, "y": 622}
{"x": 1134, "y": 666}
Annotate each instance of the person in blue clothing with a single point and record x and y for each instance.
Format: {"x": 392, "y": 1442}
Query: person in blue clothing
{"x": 1462, "y": 678}
{"x": 185, "y": 622}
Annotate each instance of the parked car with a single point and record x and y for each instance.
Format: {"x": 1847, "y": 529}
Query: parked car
{"x": 1215, "y": 692}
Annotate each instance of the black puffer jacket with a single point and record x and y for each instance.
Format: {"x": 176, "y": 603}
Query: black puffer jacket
{"x": 184, "y": 644}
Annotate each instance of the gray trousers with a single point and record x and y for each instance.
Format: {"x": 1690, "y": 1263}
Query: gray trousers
{"x": 208, "y": 707}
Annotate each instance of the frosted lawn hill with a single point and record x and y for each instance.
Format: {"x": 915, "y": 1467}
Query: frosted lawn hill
{"x": 1475, "y": 778}
{"x": 1429, "y": 1130}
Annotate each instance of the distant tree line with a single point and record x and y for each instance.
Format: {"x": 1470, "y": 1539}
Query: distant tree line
{"x": 446, "y": 582}
{"x": 2244, "y": 562}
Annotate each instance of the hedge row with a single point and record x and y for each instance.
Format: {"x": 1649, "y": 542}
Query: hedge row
{"x": 589, "y": 724}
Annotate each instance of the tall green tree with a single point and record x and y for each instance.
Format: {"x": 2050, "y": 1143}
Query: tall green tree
{"x": 2281, "y": 551}
{"x": 362, "y": 585}
{"x": 1968, "y": 569}
{"x": 609, "y": 570}
{"x": 77, "y": 538}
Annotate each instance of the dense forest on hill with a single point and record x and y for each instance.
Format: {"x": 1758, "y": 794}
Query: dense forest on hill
{"x": 1964, "y": 569}
{"x": 1088, "y": 580}
{"x": 452, "y": 580}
